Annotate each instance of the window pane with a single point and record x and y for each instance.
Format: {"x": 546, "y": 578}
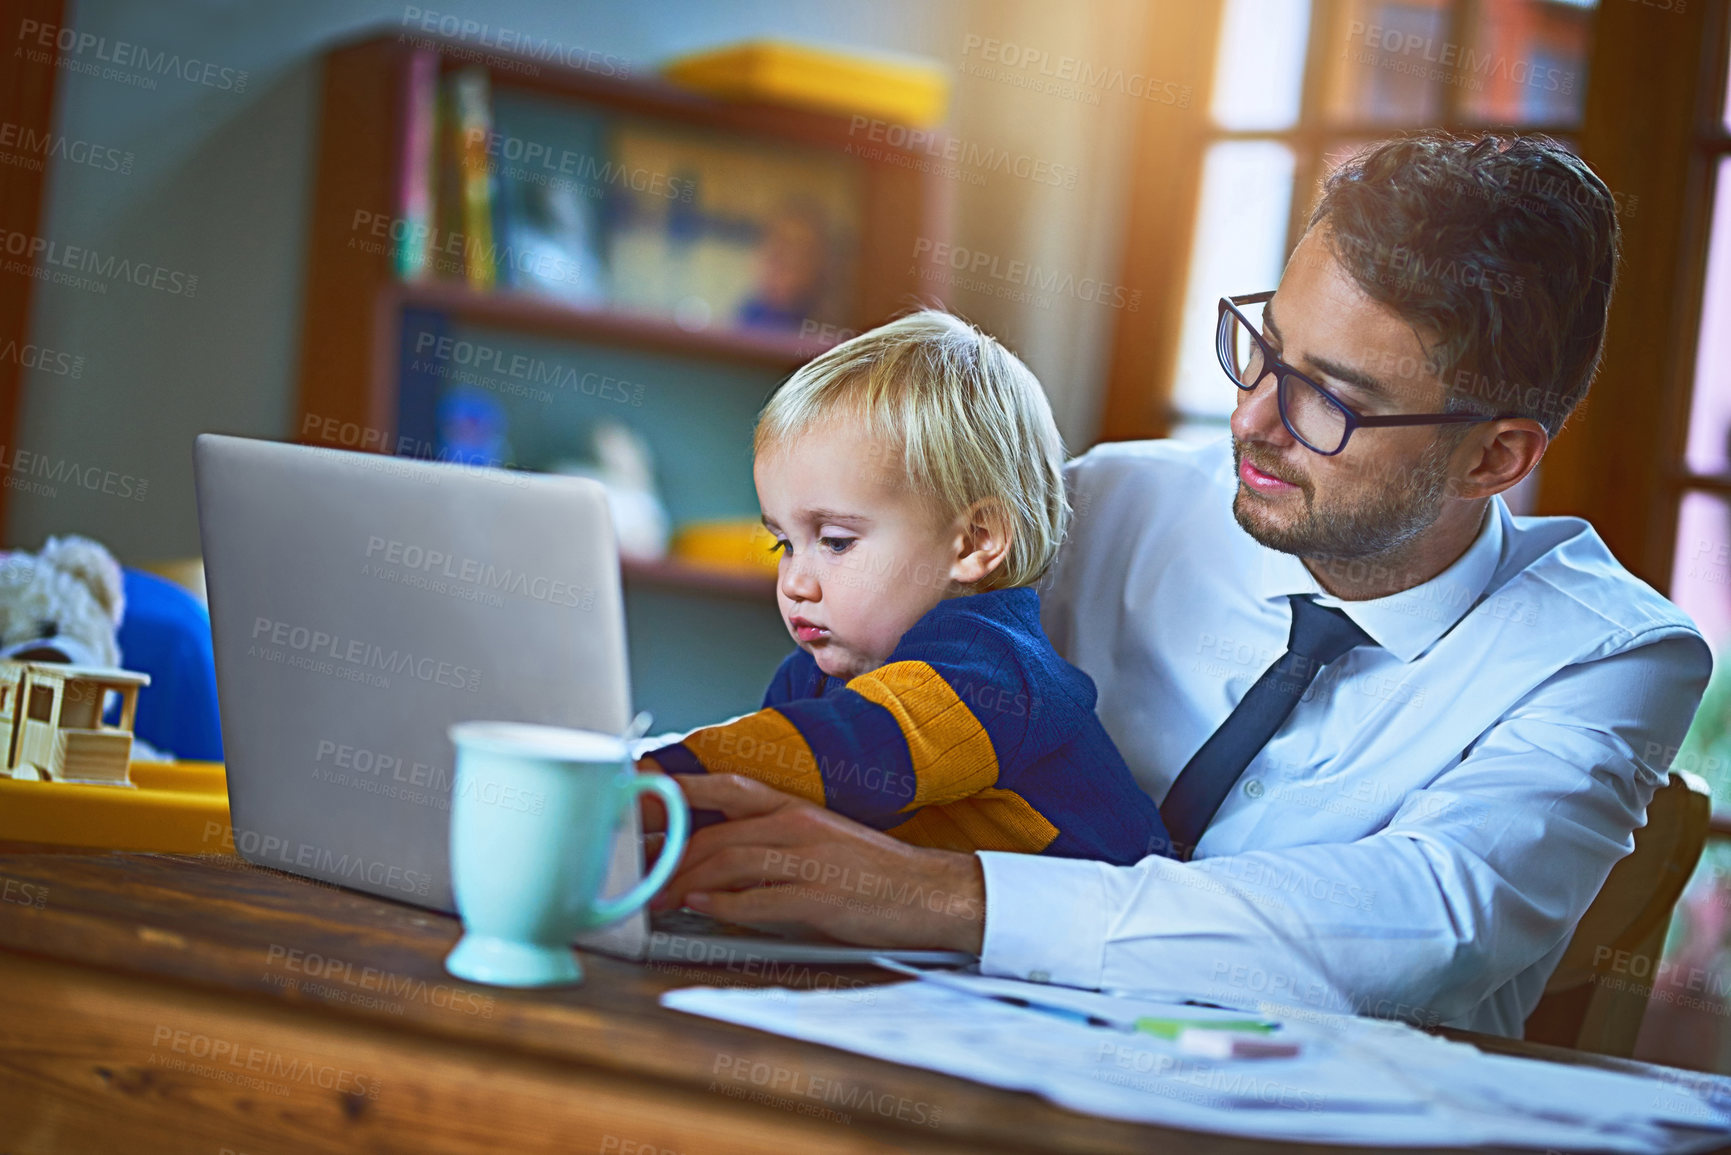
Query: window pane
{"x": 1239, "y": 247}
{"x": 1701, "y": 568}
{"x": 1259, "y": 75}
{"x": 1390, "y": 70}
{"x": 1710, "y": 410}
{"x": 1525, "y": 62}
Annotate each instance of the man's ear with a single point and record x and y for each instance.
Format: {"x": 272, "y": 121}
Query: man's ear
{"x": 1509, "y": 454}
{"x": 983, "y": 534}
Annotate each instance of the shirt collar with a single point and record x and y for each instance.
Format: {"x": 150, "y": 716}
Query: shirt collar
{"x": 1407, "y": 623}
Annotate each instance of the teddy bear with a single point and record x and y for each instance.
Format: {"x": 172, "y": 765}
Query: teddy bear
{"x": 62, "y": 605}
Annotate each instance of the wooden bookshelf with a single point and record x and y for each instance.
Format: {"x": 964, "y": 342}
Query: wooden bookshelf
{"x": 27, "y": 107}
{"x": 675, "y": 574}
{"x": 534, "y": 313}
{"x": 354, "y": 302}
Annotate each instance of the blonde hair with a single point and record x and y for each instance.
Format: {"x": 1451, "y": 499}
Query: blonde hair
{"x": 971, "y": 419}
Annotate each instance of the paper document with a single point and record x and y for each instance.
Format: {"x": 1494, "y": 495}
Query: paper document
{"x": 1350, "y": 1080}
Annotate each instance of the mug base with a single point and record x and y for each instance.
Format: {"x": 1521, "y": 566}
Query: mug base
{"x": 503, "y": 962}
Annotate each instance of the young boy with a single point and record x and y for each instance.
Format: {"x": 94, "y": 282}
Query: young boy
{"x": 912, "y": 478}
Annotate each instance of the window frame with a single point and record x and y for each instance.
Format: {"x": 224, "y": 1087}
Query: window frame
{"x": 1711, "y": 146}
{"x": 1653, "y": 131}
{"x": 1145, "y": 357}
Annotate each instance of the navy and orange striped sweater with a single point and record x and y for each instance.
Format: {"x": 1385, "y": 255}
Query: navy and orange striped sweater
{"x": 974, "y": 735}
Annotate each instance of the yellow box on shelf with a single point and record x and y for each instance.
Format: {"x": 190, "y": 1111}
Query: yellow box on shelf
{"x": 176, "y": 808}
{"x": 741, "y": 546}
{"x": 902, "y": 90}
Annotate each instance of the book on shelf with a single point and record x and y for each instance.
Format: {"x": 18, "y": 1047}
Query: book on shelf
{"x": 450, "y": 244}
{"x": 422, "y": 376}
{"x": 418, "y": 165}
{"x": 472, "y": 128}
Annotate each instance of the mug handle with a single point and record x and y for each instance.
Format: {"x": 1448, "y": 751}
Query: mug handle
{"x": 678, "y": 825}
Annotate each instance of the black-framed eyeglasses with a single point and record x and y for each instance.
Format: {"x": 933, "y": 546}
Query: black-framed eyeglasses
{"x": 1316, "y": 418}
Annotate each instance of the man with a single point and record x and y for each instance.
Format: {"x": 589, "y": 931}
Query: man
{"x": 1400, "y": 736}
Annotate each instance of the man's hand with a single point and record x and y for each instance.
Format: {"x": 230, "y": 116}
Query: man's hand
{"x": 780, "y": 860}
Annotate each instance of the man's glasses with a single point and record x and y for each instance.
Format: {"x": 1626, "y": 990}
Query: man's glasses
{"x": 1318, "y": 419}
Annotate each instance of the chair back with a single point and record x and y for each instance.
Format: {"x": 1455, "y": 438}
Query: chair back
{"x": 1596, "y": 997}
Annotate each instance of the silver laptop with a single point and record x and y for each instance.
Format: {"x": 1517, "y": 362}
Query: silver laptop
{"x": 363, "y": 604}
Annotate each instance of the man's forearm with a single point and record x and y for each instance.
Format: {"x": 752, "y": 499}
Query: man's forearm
{"x": 963, "y": 926}
{"x": 1306, "y": 927}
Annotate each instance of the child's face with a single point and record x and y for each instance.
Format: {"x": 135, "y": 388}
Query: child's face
{"x": 863, "y": 557}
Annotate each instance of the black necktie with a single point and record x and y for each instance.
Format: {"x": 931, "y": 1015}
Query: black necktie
{"x": 1319, "y": 635}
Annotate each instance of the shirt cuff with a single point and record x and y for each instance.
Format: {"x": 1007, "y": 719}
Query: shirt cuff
{"x": 1045, "y": 919}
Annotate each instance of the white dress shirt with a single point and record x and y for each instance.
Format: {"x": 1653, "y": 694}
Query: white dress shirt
{"x": 1422, "y": 834}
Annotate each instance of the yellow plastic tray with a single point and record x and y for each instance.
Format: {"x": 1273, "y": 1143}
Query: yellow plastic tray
{"x": 177, "y": 808}
{"x": 903, "y": 91}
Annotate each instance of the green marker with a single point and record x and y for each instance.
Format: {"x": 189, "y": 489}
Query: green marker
{"x": 1172, "y": 1028}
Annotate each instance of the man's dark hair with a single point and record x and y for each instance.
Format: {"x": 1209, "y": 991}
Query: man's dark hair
{"x": 1503, "y": 249}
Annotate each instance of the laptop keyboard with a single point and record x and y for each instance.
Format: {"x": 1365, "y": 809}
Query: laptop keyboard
{"x": 697, "y": 924}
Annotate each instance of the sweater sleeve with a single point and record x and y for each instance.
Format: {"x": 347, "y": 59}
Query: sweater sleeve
{"x": 909, "y": 734}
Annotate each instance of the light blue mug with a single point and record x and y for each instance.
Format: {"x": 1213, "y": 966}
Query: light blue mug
{"x": 535, "y": 811}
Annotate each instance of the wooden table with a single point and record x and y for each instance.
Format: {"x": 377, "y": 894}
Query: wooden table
{"x": 166, "y": 1003}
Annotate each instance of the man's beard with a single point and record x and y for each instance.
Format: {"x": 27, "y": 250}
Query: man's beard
{"x": 1390, "y": 515}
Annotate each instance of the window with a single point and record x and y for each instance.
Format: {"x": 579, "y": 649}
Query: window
{"x": 1701, "y": 565}
{"x": 1688, "y": 1021}
{"x": 1298, "y": 86}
